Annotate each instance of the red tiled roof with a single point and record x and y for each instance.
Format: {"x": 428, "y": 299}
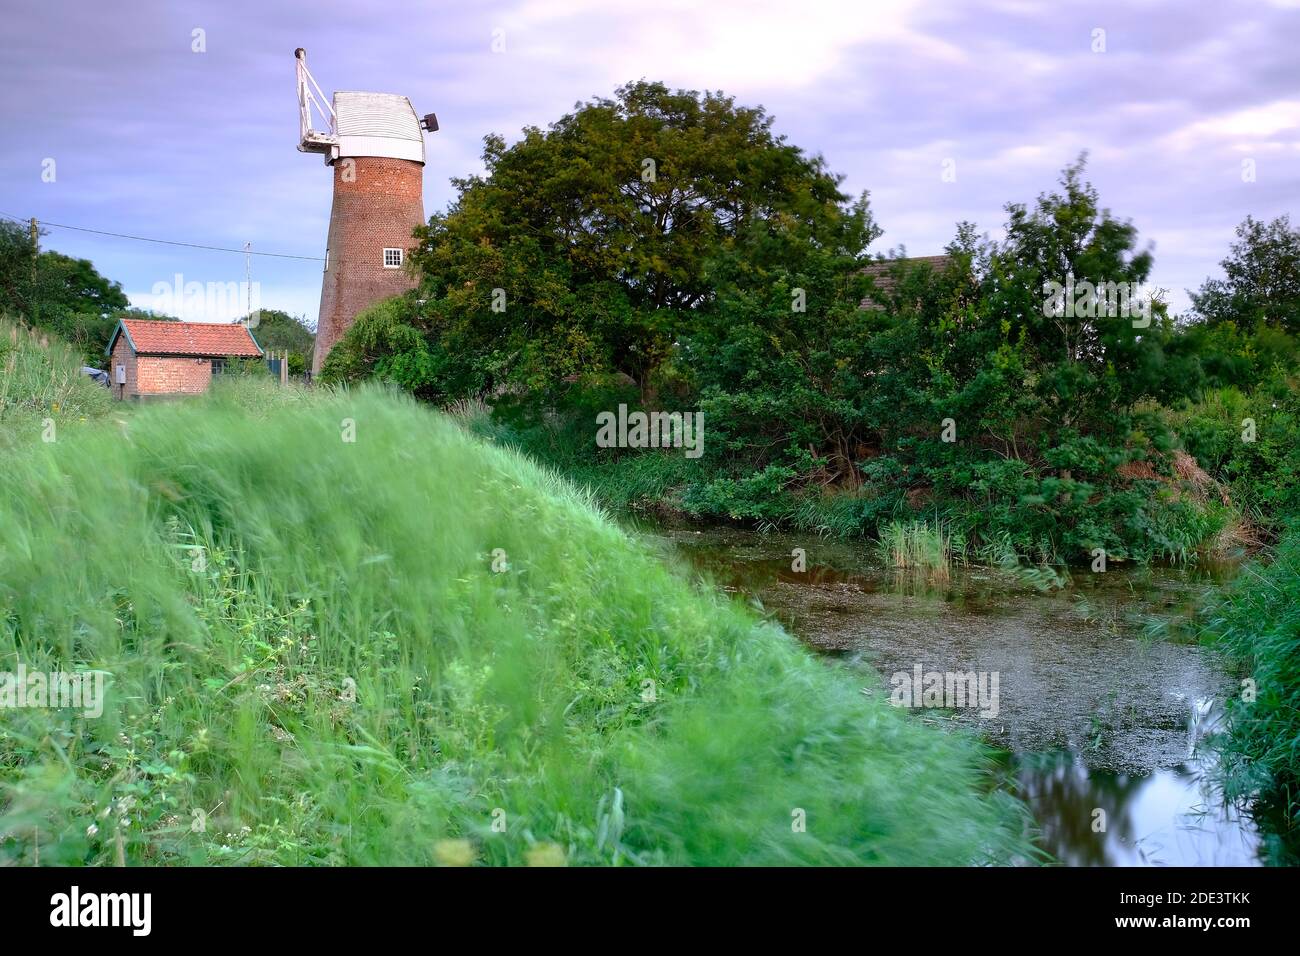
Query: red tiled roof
{"x": 206, "y": 339}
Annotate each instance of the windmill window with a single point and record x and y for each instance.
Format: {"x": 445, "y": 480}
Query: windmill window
{"x": 392, "y": 258}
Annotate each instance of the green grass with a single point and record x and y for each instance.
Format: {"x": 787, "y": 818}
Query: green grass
{"x": 41, "y": 387}
{"x": 308, "y": 643}
{"x": 1256, "y": 622}
{"x": 917, "y": 546}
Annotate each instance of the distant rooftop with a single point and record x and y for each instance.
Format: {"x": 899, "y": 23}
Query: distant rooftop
{"x": 882, "y": 271}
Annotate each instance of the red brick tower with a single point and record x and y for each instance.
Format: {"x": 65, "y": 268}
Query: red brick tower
{"x": 376, "y": 148}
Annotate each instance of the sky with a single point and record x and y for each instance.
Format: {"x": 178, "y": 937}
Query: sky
{"x": 178, "y": 120}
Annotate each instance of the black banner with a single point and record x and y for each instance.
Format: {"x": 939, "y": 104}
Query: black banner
{"x": 568, "y": 906}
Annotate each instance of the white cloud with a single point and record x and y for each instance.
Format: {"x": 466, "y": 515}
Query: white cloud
{"x": 725, "y": 44}
{"x": 1271, "y": 125}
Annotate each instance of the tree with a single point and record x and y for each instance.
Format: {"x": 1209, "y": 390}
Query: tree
{"x": 17, "y": 260}
{"x": 280, "y": 331}
{"x": 1039, "y": 404}
{"x": 1262, "y": 279}
{"x": 1088, "y": 356}
{"x": 77, "y": 303}
{"x": 593, "y": 246}
{"x": 58, "y": 293}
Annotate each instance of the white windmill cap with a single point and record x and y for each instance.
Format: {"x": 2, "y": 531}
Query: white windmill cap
{"x": 377, "y": 124}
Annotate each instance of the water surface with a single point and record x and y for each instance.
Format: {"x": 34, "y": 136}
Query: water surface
{"x": 1094, "y": 715}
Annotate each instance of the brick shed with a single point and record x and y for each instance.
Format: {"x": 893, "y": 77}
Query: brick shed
{"x": 150, "y": 358}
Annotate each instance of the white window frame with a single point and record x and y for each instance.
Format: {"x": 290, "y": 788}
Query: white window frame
{"x": 401, "y": 254}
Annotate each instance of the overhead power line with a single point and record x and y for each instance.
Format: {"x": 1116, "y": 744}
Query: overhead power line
{"x": 165, "y": 242}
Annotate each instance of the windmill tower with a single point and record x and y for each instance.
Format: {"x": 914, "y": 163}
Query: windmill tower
{"x": 374, "y": 145}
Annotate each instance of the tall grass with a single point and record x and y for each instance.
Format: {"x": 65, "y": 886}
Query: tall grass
{"x": 1257, "y": 623}
{"x": 41, "y": 383}
{"x": 917, "y": 546}
{"x": 416, "y": 648}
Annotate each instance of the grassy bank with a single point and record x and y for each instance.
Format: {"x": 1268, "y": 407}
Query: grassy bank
{"x": 41, "y": 385}
{"x": 1256, "y": 622}
{"x": 313, "y": 661}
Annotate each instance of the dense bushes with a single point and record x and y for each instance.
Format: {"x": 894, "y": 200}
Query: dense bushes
{"x": 732, "y": 278}
{"x": 1264, "y": 472}
{"x": 1139, "y": 514}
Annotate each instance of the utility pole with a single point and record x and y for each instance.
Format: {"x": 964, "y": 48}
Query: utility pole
{"x": 36, "y": 251}
{"x": 248, "y": 283}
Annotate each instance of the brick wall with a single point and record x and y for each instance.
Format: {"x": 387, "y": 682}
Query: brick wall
{"x": 377, "y": 203}
{"x": 149, "y": 375}
{"x": 172, "y": 375}
{"x": 122, "y": 355}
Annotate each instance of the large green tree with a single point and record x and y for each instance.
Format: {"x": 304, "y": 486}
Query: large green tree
{"x": 594, "y": 245}
{"x": 58, "y": 293}
{"x": 1089, "y": 359}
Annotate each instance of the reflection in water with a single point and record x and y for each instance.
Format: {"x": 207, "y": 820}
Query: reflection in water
{"x": 1165, "y": 818}
{"x": 1097, "y": 717}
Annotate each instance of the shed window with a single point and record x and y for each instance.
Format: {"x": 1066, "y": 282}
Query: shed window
{"x": 218, "y": 366}
{"x": 392, "y": 258}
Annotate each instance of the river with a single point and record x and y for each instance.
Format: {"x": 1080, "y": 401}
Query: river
{"x": 1098, "y": 722}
